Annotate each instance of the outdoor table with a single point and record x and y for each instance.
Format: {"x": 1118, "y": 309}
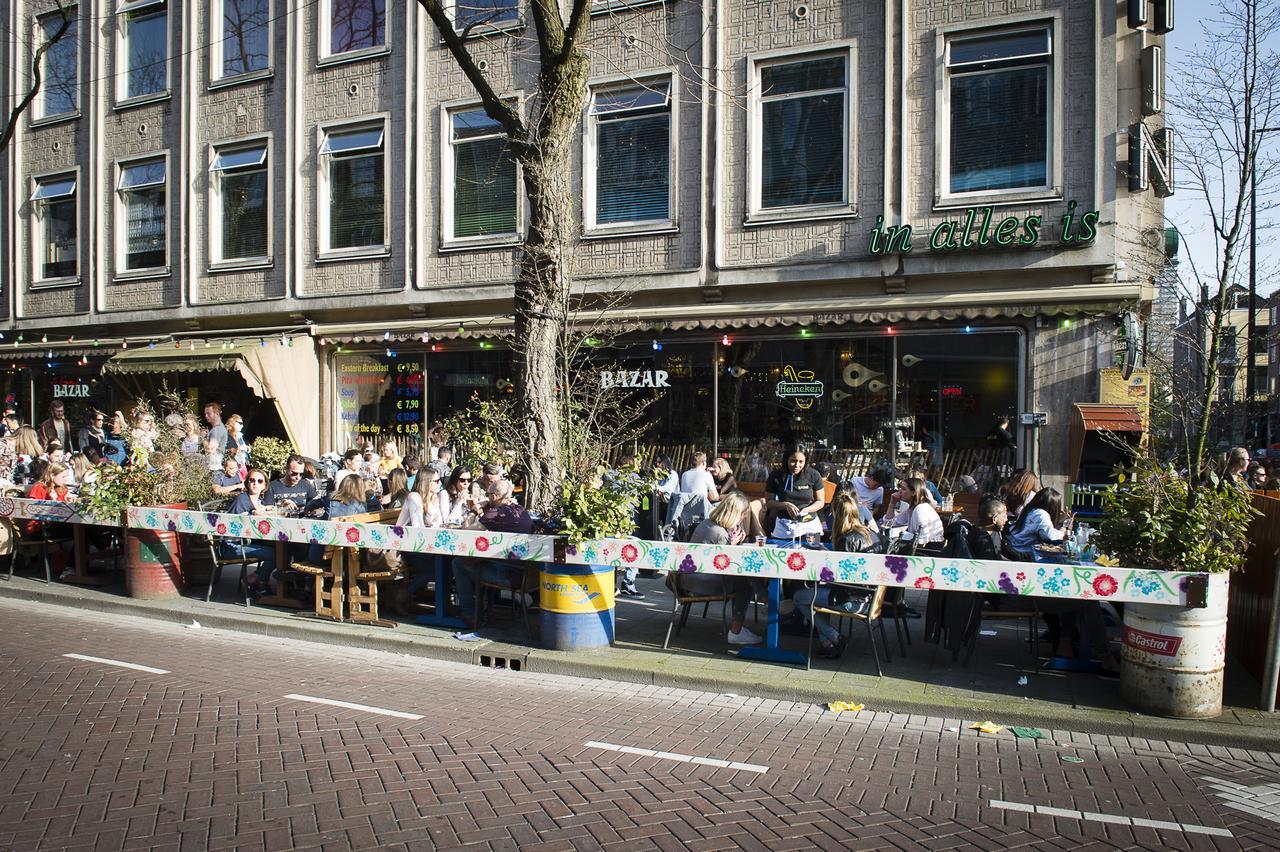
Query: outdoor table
{"x": 80, "y": 562}
{"x": 769, "y": 651}
{"x": 438, "y": 618}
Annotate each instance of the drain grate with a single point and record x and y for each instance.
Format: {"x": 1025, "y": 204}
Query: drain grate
{"x": 500, "y": 661}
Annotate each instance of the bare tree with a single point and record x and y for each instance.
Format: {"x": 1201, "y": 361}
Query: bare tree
{"x": 1227, "y": 93}
{"x": 66, "y": 21}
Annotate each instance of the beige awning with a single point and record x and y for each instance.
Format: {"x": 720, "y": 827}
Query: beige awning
{"x": 289, "y": 376}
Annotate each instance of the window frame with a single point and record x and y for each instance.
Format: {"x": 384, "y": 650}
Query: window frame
{"x": 848, "y": 207}
{"x": 324, "y": 56}
{"x": 590, "y": 148}
{"x": 39, "y": 239}
{"x": 122, "y": 100}
{"x": 217, "y": 262}
{"x": 217, "y": 18}
{"x": 516, "y": 23}
{"x": 324, "y": 252}
{"x": 447, "y": 240}
{"x": 943, "y": 197}
{"x": 71, "y": 114}
{"x": 120, "y": 236}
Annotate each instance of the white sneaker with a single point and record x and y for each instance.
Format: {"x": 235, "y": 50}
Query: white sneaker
{"x": 744, "y": 637}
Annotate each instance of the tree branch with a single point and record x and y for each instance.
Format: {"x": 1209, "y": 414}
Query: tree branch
{"x": 11, "y": 127}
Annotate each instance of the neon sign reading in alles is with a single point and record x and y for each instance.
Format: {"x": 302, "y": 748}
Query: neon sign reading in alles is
{"x": 977, "y": 228}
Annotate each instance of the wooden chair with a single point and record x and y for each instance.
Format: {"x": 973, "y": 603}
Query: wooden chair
{"x": 966, "y": 505}
{"x": 219, "y": 562}
{"x": 681, "y": 602}
{"x": 872, "y": 618}
{"x": 521, "y": 582}
{"x": 329, "y": 599}
{"x": 27, "y": 545}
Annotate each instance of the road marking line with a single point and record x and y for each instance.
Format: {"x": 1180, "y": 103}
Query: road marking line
{"x": 1110, "y": 818}
{"x": 680, "y": 758}
{"x": 382, "y": 711}
{"x": 121, "y": 663}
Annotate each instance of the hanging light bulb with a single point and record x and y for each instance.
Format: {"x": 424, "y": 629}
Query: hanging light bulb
{"x": 462, "y": 329}
{"x": 262, "y": 341}
{"x": 284, "y": 341}
{"x": 425, "y": 336}
{"x": 193, "y": 346}
{"x": 151, "y": 345}
{"x": 321, "y": 341}
{"x": 206, "y": 344}
{"x": 386, "y": 335}
{"x": 177, "y": 344}
{"x": 725, "y": 341}
{"x": 391, "y": 353}
{"x": 95, "y": 340}
{"x": 657, "y": 347}
{"x": 44, "y": 338}
{"x": 124, "y": 344}
{"x": 71, "y": 339}
{"x": 50, "y": 353}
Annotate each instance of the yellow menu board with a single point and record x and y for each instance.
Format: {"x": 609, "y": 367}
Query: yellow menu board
{"x": 1114, "y": 389}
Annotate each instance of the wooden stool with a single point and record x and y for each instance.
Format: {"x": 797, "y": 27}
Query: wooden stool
{"x": 362, "y": 591}
{"x": 329, "y": 602}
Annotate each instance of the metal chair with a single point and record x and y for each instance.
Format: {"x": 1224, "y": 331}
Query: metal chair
{"x": 521, "y": 581}
{"x": 27, "y": 544}
{"x": 872, "y": 618}
{"x": 220, "y": 561}
{"x": 682, "y": 602}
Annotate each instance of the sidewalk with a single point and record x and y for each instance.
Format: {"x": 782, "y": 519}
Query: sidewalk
{"x": 926, "y": 681}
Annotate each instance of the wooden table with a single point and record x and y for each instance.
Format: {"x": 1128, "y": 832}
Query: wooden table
{"x": 80, "y": 560}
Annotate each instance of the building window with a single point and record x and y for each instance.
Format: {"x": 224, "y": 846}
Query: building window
{"x": 357, "y": 187}
{"x": 480, "y": 14}
{"x": 144, "y": 48}
{"x": 240, "y": 195}
{"x": 802, "y": 132}
{"x": 998, "y": 90}
{"x": 246, "y": 37}
{"x": 60, "y": 68}
{"x": 141, "y": 215}
{"x": 484, "y": 177}
{"x": 631, "y": 132}
{"x": 54, "y": 209}
{"x": 356, "y": 25}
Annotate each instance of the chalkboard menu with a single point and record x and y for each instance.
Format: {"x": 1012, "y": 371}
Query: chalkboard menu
{"x": 379, "y": 398}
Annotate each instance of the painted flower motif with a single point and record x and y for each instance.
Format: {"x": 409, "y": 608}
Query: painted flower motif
{"x": 398, "y": 531}
{"x": 211, "y": 518}
{"x": 658, "y": 556}
{"x": 1021, "y": 576}
{"x": 171, "y": 526}
{"x": 796, "y": 561}
{"x": 317, "y": 532}
{"x": 898, "y": 565}
{"x": 353, "y": 535}
{"x": 687, "y": 565}
{"x": 482, "y": 544}
{"x": 753, "y": 562}
{"x": 982, "y": 584}
{"x": 519, "y": 550}
{"x": 1006, "y": 585}
{"x": 951, "y": 574}
{"x": 1146, "y": 582}
{"x": 187, "y": 523}
{"x": 924, "y": 583}
{"x": 282, "y": 536}
{"x": 1055, "y": 583}
{"x": 264, "y": 527}
{"x": 826, "y": 576}
{"x": 152, "y": 519}
{"x": 630, "y": 553}
{"x": 221, "y": 529}
{"x": 1105, "y": 585}
{"x": 721, "y": 562}
{"x": 444, "y": 540}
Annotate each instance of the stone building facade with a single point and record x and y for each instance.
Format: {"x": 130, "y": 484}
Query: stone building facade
{"x": 801, "y": 138}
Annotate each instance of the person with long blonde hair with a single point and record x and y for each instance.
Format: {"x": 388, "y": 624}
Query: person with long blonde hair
{"x": 726, "y": 525}
{"x": 848, "y": 534}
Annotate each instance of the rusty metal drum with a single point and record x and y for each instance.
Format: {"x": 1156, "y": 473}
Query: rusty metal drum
{"x": 1174, "y": 656}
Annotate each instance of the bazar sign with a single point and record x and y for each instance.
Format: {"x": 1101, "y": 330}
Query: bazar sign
{"x": 634, "y": 379}
{"x": 977, "y": 229}
{"x": 70, "y": 390}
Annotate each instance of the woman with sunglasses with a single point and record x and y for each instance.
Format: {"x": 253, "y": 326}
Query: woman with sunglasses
{"x": 456, "y": 501}
{"x": 255, "y": 500}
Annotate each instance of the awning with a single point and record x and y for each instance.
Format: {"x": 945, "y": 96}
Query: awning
{"x": 289, "y": 376}
{"x": 1123, "y": 422}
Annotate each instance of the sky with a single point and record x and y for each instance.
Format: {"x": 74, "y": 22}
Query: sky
{"x": 1184, "y": 208}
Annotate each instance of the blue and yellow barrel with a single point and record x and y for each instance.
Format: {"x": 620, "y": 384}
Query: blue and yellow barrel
{"x": 577, "y": 606}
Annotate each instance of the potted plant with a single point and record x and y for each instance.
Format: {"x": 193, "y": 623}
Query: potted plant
{"x": 272, "y": 455}
{"x": 1156, "y": 519}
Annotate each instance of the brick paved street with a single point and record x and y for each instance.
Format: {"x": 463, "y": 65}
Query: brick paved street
{"x": 222, "y": 744}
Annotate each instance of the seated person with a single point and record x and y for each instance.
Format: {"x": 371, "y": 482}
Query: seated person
{"x": 986, "y": 537}
{"x": 228, "y": 481}
{"x": 255, "y": 500}
{"x": 502, "y": 514}
{"x": 292, "y": 492}
{"x": 917, "y": 514}
{"x": 850, "y": 535}
{"x": 54, "y": 484}
{"x": 350, "y": 498}
{"x": 724, "y": 526}
{"x": 396, "y": 491}
{"x": 1042, "y": 521}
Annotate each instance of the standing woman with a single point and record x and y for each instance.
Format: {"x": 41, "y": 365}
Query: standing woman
{"x": 235, "y": 434}
{"x": 192, "y": 437}
{"x": 26, "y": 443}
{"x": 114, "y": 443}
{"x": 255, "y": 500}
{"x": 144, "y": 431}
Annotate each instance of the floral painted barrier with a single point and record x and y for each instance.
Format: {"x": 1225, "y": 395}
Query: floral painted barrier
{"x": 1078, "y": 582}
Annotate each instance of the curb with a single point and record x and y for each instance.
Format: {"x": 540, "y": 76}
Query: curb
{"x": 488, "y": 653}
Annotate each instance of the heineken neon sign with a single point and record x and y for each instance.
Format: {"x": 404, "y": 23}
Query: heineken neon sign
{"x": 977, "y": 228}
{"x": 799, "y": 386}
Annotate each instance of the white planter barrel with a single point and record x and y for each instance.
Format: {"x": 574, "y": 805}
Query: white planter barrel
{"x": 1174, "y": 656}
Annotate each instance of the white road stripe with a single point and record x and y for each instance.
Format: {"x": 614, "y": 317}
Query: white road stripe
{"x": 680, "y": 758}
{"x": 119, "y": 663}
{"x": 382, "y": 711}
{"x": 1111, "y": 818}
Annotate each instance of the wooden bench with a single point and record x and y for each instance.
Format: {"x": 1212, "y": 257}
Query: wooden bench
{"x": 362, "y": 583}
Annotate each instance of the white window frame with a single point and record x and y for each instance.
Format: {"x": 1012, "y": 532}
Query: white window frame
{"x": 590, "y": 147}
{"x": 480, "y": 31}
{"x": 381, "y": 121}
{"x": 122, "y": 48}
{"x": 1052, "y": 191}
{"x": 447, "y": 239}
{"x": 756, "y": 214}
{"x": 325, "y": 35}
{"x": 217, "y": 19}
{"x": 604, "y": 7}
{"x": 119, "y": 228}
{"x": 38, "y": 106}
{"x": 229, "y": 146}
{"x": 39, "y": 239}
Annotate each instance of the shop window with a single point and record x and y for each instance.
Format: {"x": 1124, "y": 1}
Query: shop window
{"x": 630, "y": 132}
{"x": 355, "y": 25}
{"x": 801, "y": 132}
{"x": 60, "y": 68}
{"x": 472, "y": 15}
{"x": 57, "y": 243}
{"x": 998, "y": 90}
{"x": 140, "y": 215}
{"x": 483, "y": 199}
{"x": 246, "y": 38}
{"x": 380, "y": 398}
{"x": 354, "y": 177}
{"x": 143, "y": 48}
{"x": 240, "y": 198}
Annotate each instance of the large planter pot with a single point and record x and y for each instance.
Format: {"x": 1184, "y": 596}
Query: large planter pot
{"x": 1174, "y": 656}
{"x": 153, "y": 562}
{"x": 576, "y": 603}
